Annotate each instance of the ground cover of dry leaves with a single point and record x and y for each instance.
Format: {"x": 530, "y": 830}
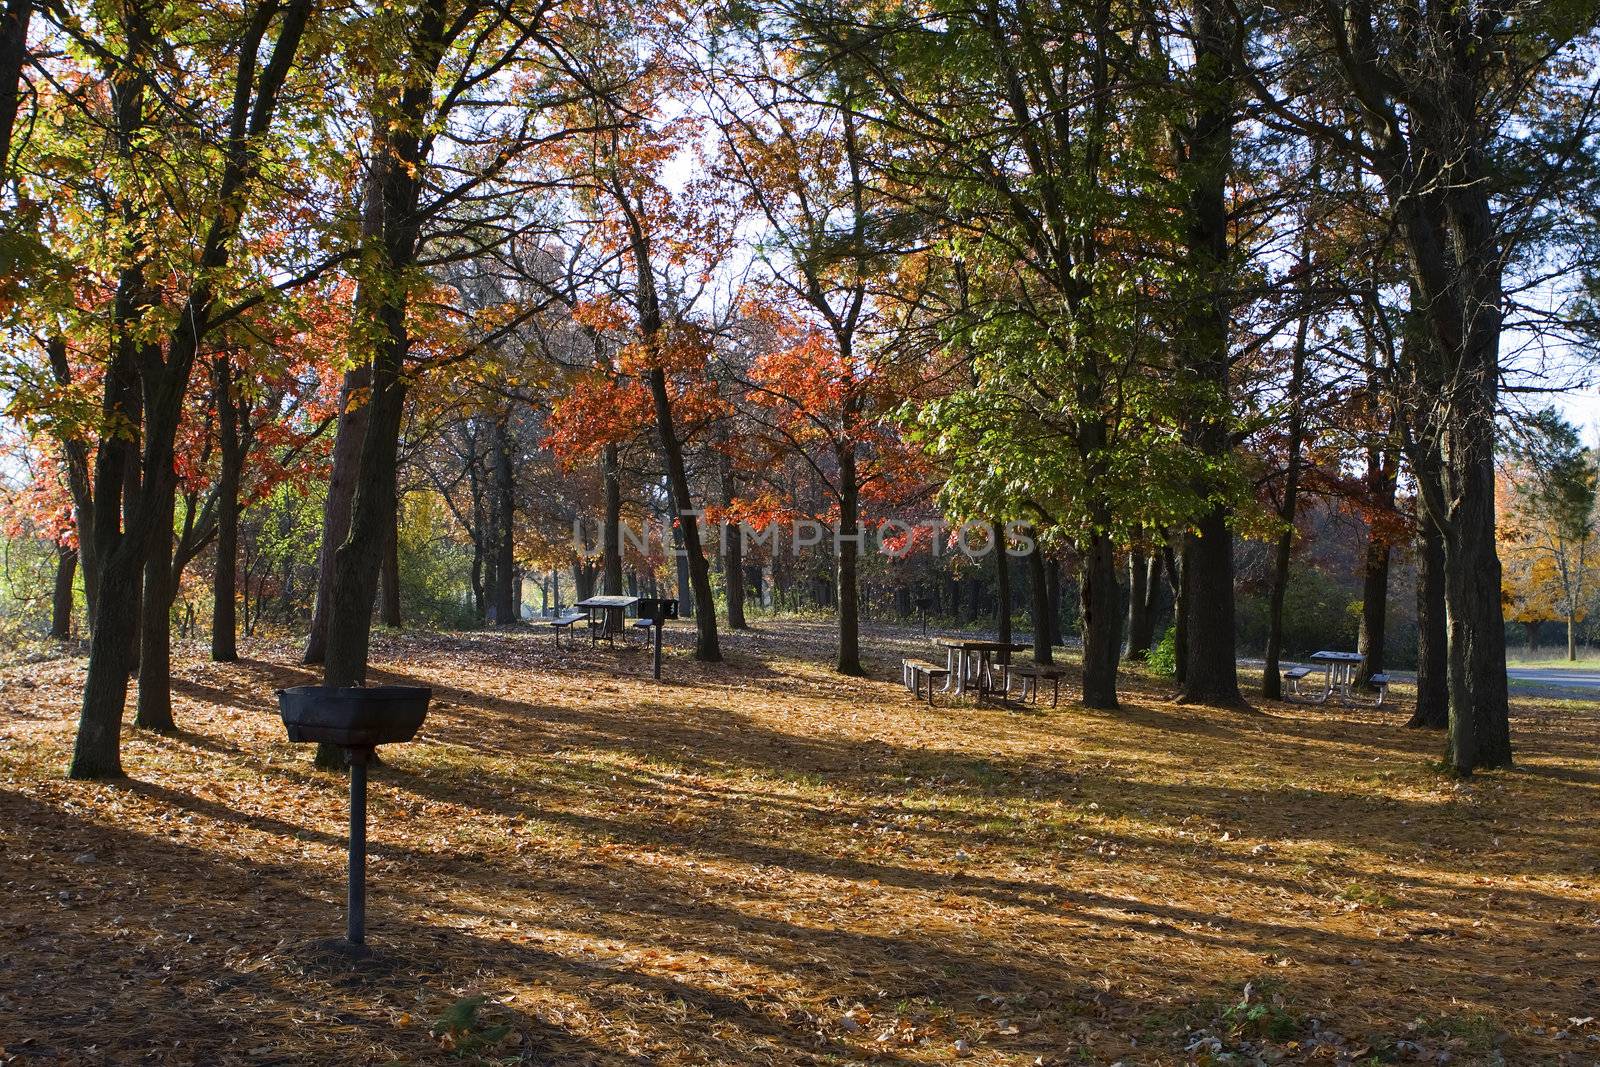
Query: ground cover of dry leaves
{"x": 759, "y": 862}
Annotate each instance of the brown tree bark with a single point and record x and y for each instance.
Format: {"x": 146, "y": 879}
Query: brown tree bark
{"x": 1002, "y": 585}
{"x": 353, "y": 413}
{"x": 733, "y": 557}
{"x": 389, "y": 576}
{"x": 1039, "y": 591}
{"x": 1141, "y": 617}
{"x": 505, "y": 509}
{"x": 164, "y": 375}
{"x": 1178, "y": 573}
{"x": 225, "y": 587}
{"x": 848, "y": 552}
{"x": 706, "y": 646}
{"x": 611, "y": 534}
{"x": 1383, "y": 460}
{"x": 390, "y": 239}
{"x": 154, "y": 711}
{"x": 1052, "y": 584}
{"x": 14, "y": 20}
{"x": 1433, "y": 657}
{"x": 1428, "y": 130}
{"x": 75, "y": 454}
{"x": 1101, "y": 622}
{"x": 61, "y": 595}
{"x": 1211, "y": 674}
{"x": 1289, "y": 504}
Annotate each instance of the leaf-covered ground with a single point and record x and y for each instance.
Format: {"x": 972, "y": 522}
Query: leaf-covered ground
{"x": 759, "y": 862}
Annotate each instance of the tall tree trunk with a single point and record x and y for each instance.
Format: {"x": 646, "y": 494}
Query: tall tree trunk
{"x": 706, "y": 647}
{"x": 61, "y": 597}
{"x": 1101, "y": 622}
{"x": 1441, "y": 183}
{"x": 1480, "y": 725}
{"x": 583, "y": 576}
{"x": 132, "y": 498}
{"x": 389, "y": 576}
{"x": 611, "y": 534}
{"x": 1178, "y": 570}
{"x": 479, "y": 608}
{"x": 96, "y": 751}
{"x": 1039, "y": 590}
{"x": 1433, "y": 656}
{"x": 1141, "y": 619}
{"x": 225, "y": 588}
{"x": 1372, "y": 632}
{"x": 155, "y": 631}
{"x": 353, "y": 414}
{"x": 1002, "y": 584}
{"x": 119, "y": 558}
{"x": 1272, "y": 674}
{"x": 1052, "y": 581}
{"x": 1383, "y": 461}
{"x": 1211, "y": 674}
{"x": 75, "y": 455}
{"x": 848, "y": 547}
{"x": 14, "y": 19}
{"x": 680, "y": 566}
{"x": 732, "y": 551}
{"x": 505, "y": 505}
{"x": 358, "y": 559}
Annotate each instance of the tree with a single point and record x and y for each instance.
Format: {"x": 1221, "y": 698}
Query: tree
{"x": 792, "y": 146}
{"x": 168, "y": 294}
{"x": 1204, "y": 164}
{"x": 14, "y": 19}
{"x": 1548, "y": 531}
{"x": 422, "y": 106}
{"x": 670, "y": 242}
{"x": 1471, "y": 145}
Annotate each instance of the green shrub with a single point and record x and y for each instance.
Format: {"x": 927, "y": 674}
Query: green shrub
{"x": 1163, "y": 658}
{"x": 435, "y": 568}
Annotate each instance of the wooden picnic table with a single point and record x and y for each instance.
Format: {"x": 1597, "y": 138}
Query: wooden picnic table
{"x": 964, "y": 657}
{"x": 608, "y": 609}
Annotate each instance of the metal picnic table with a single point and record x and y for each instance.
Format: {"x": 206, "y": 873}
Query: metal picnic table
{"x": 605, "y": 614}
{"x": 968, "y": 659}
{"x": 1340, "y": 674}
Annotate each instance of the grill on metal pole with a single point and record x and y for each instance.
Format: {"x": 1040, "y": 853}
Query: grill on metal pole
{"x": 357, "y": 719}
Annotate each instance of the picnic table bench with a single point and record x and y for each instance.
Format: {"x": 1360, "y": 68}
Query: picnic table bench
{"x": 915, "y": 671}
{"x": 1031, "y": 674}
{"x": 563, "y": 624}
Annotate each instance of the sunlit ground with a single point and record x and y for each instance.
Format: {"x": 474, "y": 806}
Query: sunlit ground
{"x": 760, "y": 862}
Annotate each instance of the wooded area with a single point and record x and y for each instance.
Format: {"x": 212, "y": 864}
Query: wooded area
{"x": 1175, "y": 340}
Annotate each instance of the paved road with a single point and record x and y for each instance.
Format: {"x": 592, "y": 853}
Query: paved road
{"x": 1555, "y": 677}
{"x": 1542, "y": 677}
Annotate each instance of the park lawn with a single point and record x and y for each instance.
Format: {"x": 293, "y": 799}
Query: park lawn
{"x": 759, "y": 862}
{"x": 1555, "y": 661}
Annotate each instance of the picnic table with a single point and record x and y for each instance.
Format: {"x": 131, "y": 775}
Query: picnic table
{"x": 605, "y": 614}
{"x": 1338, "y": 675}
{"x": 970, "y": 660}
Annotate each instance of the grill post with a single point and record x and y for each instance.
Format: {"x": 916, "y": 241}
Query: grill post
{"x": 356, "y": 919}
